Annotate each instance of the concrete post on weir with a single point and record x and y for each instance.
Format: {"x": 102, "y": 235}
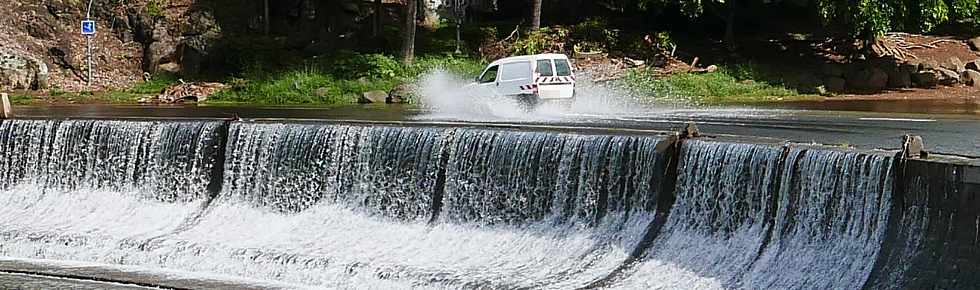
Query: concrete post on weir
{"x": 690, "y": 131}
{"x": 5, "y": 111}
{"x": 913, "y": 148}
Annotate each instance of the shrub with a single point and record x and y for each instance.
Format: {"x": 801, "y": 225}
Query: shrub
{"x": 545, "y": 40}
{"x": 592, "y": 35}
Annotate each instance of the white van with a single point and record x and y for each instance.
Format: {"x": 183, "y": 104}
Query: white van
{"x": 530, "y": 78}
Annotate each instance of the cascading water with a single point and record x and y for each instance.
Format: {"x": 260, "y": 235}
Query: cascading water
{"x": 507, "y": 209}
{"x": 743, "y": 220}
{"x": 393, "y": 207}
{"x": 66, "y": 184}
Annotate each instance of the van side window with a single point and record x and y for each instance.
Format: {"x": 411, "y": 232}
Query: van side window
{"x": 544, "y": 68}
{"x": 515, "y": 71}
{"x": 564, "y": 70}
{"x": 489, "y": 76}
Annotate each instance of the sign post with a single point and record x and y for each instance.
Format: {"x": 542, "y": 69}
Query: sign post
{"x": 88, "y": 30}
{"x": 5, "y": 112}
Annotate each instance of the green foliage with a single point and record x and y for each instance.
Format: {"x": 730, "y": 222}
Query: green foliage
{"x": 339, "y": 79}
{"x": 934, "y": 13}
{"x": 357, "y": 65}
{"x": 153, "y": 8}
{"x": 592, "y": 35}
{"x": 155, "y": 85}
{"x": 727, "y": 85}
{"x": 645, "y": 46}
{"x": 544, "y": 40}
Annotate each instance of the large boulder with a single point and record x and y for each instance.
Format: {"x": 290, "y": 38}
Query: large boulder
{"x": 21, "y": 71}
{"x": 869, "y": 79}
{"x": 954, "y": 64}
{"x": 401, "y": 93}
{"x": 925, "y": 78}
{"x": 929, "y": 65}
{"x": 971, "y": 78}
{"x": 373, "y": 97}
{"x": 832, "y": 70}
{"x": 834, "y": 84}
{"x": 199, "y": 35}
{"x": 973, "y": 65}
{"x": 948, "y": 77}
{"x": 974, "y": 43}
{"x": 160, "y": 48}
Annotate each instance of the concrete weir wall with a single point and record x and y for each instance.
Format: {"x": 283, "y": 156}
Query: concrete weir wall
{"x": 934, "y": 236}
{"x": 686, "y": 210}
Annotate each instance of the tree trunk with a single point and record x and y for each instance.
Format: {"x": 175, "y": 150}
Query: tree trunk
{"x": 379, "y": 11}
{"x": 536, "y": 15}
{"x": 914, "y": 19}
{"x": 408, "y": 32}
{"x": 730, "y": 26}
{"x": 265, "y": 17}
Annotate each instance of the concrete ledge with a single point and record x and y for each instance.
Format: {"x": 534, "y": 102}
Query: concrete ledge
{"x": 133, "y": 275}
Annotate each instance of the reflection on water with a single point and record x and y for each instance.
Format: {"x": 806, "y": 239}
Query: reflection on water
{"x": 966, "y": 107}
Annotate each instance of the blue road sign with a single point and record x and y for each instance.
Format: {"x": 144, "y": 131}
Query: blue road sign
{"x": 88, "y": 27}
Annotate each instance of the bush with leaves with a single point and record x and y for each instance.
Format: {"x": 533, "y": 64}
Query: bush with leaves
{"x": 545, "y": 40}
{"x": 592, "y": 35}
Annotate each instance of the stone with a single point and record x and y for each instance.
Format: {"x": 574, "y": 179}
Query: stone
{"x": 971, "y": 78}
{"x": 190, "y": 92}
{"x": 21, "y": 71}
{"x": 948, "y": 77}
{"x": 925, "y": 78}
{"x": 322, "y": 92}
{"x": 199, "y": 36}
{"x": 834, "y": 84}
{"x": 929, "y": 65}
{"x": 159, "y": 51}
{"x": 373, "y": 97}
{"x": 954, "y": 64}
{"x": 634, "y": 62}
{"x": 401, "y": 93}
{"x": 832, "y": 70}
{"x": 170, "y": 68}
{"x": 870, "y": 78}
{"x": 974, "y": 43}
{"x": 899, "y": 77}
{"x": 973, "y": 65}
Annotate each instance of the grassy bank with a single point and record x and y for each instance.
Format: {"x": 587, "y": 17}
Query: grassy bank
{"x": 115, "y": 96}
{"x": 728, "y": 85}
{"x": 339, "y": 80}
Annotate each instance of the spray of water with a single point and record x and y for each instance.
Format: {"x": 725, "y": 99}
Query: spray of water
{"x": 451, "y": 97}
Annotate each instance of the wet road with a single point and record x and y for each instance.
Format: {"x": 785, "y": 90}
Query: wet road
{"x": 949, "y": 129}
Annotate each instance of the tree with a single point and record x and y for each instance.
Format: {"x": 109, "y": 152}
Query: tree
{"x": 725, "y": 10}
{"x": 536, "y": 15}
{"x": 408, "y": 32}
{"x": 379, "y": 9}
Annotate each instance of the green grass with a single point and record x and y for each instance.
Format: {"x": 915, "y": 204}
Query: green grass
{"x": 735, "y": 85}
{"x": 124, "y": 96}
{"x": 339, "y": 80}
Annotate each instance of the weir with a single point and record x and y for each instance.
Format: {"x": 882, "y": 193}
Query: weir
{"x": 347, "y": 205}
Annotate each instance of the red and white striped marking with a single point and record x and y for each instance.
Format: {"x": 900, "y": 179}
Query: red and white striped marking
{"x": 530, "y": 87}
{"x": 566, "y": 79}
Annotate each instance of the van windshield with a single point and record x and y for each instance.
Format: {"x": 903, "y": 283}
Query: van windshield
{"x": 564, "y": 70}
{"x": 544, "y": 68}
{"x": 489, "y": 76}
